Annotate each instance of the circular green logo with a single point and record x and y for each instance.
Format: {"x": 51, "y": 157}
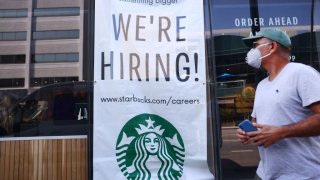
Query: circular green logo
{"x": 150, "y": 147}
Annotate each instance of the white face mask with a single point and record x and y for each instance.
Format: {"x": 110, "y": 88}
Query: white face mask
{"x": 254, "y": 58}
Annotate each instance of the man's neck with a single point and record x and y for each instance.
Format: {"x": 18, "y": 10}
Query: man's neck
{"x": 275, "y": 68}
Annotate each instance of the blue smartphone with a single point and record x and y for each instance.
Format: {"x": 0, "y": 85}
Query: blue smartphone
{"x": 247, "y": 126}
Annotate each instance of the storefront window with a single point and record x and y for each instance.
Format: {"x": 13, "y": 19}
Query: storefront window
{"x": 46, "y": 71}
{"x": 44, "y": 93}
{"x": 236, "y": 81}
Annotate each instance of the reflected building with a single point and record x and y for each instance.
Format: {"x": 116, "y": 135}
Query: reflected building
{"x": 233, "y": 75}
{"x": 227, "y": 32}
{"x": 41, "y": 42}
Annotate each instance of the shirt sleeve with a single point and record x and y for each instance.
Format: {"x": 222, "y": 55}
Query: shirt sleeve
{"x": 253, "y": 114}
{"x": 309, "y": 85}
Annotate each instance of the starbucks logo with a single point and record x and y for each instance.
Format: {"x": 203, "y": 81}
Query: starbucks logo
{"x": 150, "y": 147}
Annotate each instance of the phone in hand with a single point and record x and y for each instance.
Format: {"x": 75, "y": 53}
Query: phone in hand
{"x": 247, "y": 126}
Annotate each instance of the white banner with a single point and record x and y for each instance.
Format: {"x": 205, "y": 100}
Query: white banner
{"x": 150, "y": 90}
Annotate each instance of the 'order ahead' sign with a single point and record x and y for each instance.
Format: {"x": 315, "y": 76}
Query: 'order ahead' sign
{"x": 150, "y": 90}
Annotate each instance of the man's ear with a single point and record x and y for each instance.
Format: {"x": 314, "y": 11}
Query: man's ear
{"x": 273, "y": 46}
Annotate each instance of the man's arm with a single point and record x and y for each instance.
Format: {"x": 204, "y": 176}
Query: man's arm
{"x": 269, "y": 135}
{"x": 307, "y": 127}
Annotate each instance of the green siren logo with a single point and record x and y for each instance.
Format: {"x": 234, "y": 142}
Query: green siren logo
{"x": 149, "y": 147}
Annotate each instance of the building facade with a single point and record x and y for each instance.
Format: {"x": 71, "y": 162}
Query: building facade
{"x": 41, "y": 42}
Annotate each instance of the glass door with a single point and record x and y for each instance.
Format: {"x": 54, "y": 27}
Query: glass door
{"x": 235, "y": 81}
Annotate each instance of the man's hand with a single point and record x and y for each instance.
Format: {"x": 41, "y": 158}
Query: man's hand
{"x": 244, "y": 139}
{"x": 267, "y": 135}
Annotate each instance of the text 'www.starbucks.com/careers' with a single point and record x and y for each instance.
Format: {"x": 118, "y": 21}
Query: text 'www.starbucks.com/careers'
{"x": 145, "y": 99}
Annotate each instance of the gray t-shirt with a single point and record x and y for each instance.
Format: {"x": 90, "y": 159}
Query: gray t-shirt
{"x": 283, "y": 101}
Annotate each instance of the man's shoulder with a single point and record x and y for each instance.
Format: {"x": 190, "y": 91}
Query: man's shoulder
{"x": 298, "y": 69}
{"x": 296, "y": 65}
{"x": 303, "y": 69}
{"x": 299, "y": 66}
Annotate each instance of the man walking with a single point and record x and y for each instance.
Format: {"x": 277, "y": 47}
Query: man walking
{"x": 286, "y": 110}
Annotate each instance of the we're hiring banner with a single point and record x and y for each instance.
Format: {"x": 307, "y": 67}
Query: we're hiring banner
{"x": 150, "y": 90}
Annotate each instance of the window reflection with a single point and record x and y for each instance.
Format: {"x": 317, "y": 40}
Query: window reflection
{"x": 63, "y": 11}
{"x": 13, "y": 13}
{"x": 26, "y": 88}
{"x": 12, "y": 82}
{"x": 58, "y": 34}
{"x": 13, "y": 36}
{"x": 12, "y": 59}
{"x": 41, "y": 81}
{"x": 55, "y": 57}
{"x": 236, "y": 81}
